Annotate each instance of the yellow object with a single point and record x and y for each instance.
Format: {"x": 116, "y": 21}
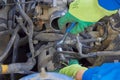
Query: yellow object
{"x": 72, "y": 70}
{"x": 4, "y": 69}
{"x": 89, "y": 10}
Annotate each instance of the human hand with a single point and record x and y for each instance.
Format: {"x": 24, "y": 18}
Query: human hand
{"x": 68, "y": 18}
{"x": 74, "y": 70}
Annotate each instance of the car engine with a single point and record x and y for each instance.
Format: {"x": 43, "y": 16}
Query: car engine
{"x": 31, "y": 39}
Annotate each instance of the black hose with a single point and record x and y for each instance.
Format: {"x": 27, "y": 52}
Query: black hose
{"x": 30, "y": 24}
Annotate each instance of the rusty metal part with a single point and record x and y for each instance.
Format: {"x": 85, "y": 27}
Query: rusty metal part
{"x": 56, "y": 15}
{"x": 45, "y": 59}
{"x": 107, "y": 44}
{"x": 43, "y": 14}
{"x": 111, "y": 36}
{"x": 39, "y": 25}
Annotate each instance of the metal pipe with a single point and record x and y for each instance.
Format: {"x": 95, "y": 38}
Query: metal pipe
{"x": 54, "y": 3}
{"x": 104, "y": 53}
{"x": 21, "y": 68}
{"x": 94, "y": 54}
{"x": 55, "y": 15}
{"x": 99, "y": 39}
{"x": 79, "y": 46}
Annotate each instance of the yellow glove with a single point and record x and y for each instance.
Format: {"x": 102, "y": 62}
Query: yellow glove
{"x": 72, "y": 70}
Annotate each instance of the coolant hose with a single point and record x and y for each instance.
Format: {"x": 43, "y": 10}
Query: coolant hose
{"x": 17, "y": 67}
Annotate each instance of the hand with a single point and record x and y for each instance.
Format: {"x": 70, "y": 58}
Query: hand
{"x": 68, "y": 18}
{"x": 73, "y": 70}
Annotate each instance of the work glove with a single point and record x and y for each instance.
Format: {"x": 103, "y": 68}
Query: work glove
{"x": 69, "y": 18}
{"x": 72, "y": 70}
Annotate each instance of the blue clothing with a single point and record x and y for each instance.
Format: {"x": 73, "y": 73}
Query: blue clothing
{"x": 110, "y": 4}
{"x": 108, "y": 71}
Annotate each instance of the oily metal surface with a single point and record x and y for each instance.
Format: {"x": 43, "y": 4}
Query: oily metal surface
{"x": 48, "y": 36}
{"x": 45, "y": 59}
{"x": 3, "y": 42}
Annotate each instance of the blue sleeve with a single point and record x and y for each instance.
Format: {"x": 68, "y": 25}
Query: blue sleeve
{"x": 109, "y": 4}
{"x": 108, "y": 71}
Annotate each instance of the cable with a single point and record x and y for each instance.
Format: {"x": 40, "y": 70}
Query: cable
{"x": 30, "y": 24}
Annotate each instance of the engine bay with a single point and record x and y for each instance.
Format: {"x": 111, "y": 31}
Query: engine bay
{"x": 31, "y": 39}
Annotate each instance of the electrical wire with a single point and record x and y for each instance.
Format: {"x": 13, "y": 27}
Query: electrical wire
{"x": 31, "y": 26}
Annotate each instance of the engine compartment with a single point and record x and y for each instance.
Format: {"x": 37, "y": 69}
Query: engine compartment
{"x": 29, "y": 35}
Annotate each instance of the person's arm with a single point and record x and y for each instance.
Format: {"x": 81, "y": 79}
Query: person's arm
{"x": 107, "y": 71}
{"x": 79, "y": 74}
{"x": 113, "y": 4}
